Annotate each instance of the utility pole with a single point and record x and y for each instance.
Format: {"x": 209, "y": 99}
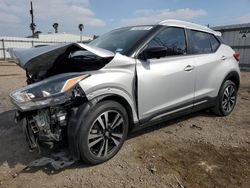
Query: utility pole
{"x": 32, "y": 25}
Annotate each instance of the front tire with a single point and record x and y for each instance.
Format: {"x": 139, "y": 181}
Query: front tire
{"x": 226, "y": 99}
{"x": 103, "y": 132}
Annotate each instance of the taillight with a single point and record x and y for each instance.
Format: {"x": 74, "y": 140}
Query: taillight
{"x": 237, "y": 56}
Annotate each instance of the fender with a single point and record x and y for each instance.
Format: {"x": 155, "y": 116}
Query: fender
{"x": 112, "y": 91}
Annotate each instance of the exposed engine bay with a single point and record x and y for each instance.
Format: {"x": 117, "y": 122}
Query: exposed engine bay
{"x": 49, "y": 125}
{"x": 46, "y": 126}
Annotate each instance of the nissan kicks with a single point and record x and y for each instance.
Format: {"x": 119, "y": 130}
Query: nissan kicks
{"x": 91, "y": 96}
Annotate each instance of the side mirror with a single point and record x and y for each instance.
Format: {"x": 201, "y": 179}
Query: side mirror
{"x": 154, "y": 52}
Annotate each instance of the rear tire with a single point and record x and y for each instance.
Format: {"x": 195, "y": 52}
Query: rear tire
{"x": 226, "y": 99}
{"x": 103, "y": 132}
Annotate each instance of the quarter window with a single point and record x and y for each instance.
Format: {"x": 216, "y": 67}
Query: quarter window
{"x": 173, "y": 39}
{"x": 214, "y": 42}
{"x": 201, "y": 43}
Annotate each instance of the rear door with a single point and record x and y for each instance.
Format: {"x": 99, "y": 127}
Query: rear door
{"x": 166, "y": 85}
{"x": 207, "y": 57}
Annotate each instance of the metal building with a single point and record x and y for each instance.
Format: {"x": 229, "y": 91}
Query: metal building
{"x": 238, "y": 37}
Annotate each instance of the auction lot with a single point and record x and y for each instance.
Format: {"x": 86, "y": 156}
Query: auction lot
{"x": 199, "y": 150}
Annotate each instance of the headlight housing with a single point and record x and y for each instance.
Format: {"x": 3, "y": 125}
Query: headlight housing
{"x": 51, "y": 91}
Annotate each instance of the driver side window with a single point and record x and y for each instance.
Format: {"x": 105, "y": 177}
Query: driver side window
{"x": 173, "y": 39}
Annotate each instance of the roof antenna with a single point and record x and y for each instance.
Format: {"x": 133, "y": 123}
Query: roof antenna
{"x": 32, "y": 25}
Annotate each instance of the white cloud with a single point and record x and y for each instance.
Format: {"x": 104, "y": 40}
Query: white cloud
{"x": 155, "y": 16}
{"x": 68, "y": 13}
{"x": 6, "y": 18}
{"x": 9, "y": 13}
{"x": 244, "y": 19}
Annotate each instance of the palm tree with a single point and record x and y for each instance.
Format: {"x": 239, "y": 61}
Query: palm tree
{"x": 80, "y": 26}
{"x": 55, "y": 26}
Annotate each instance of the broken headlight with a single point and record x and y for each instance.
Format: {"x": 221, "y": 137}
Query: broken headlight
{"x": 51, "y": 91}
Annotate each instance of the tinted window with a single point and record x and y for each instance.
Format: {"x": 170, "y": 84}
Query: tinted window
{"x": 122, "y": 40}
{"x": 214, "y": 42}
{"x": 173, "y": 39}
{"x": 201, "y": 43}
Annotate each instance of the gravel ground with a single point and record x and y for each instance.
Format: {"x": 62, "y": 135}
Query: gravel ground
{"x": 199, "y": 150}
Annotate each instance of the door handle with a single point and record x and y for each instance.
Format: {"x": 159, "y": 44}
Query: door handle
{"x": 189, "y": 68}
{"x": 223, "y": 58}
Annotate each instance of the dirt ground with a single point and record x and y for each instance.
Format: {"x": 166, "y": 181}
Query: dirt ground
{"x": 199, "y": 150}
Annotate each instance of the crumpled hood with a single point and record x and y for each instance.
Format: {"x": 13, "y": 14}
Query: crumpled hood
{"x": 43, "y": 58}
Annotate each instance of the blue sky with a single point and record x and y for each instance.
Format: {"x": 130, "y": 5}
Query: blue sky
{"x": 101, "y": 16}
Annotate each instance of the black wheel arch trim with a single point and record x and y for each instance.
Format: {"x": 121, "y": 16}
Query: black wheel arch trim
{"x": 121, "y": 100}
{"x": 232, "y": 74}
{"x": 78, "y": 114}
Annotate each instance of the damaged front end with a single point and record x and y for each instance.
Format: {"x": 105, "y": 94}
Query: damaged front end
{"x": 45, "y": 107}
{"x": 53, "y": 90}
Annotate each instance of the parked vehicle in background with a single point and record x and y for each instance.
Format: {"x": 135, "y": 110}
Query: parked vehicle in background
{"x": 91, "y": 96}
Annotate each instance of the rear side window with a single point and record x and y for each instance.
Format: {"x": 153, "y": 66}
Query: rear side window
{"x": 173, "y": 39}
{"x": 214, "y": 42}
{"x": 200, "y": 42}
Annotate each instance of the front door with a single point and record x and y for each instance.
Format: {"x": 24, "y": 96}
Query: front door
{"x": 166, "y": 85}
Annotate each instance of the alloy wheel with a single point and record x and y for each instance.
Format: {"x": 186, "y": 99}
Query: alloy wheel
{"x": 106, "y": 133}
{"x": 229, "y": 98}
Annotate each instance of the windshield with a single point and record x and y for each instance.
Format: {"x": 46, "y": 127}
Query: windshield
{"x": 121, "y": 40}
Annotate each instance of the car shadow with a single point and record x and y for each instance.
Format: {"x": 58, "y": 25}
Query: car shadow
{"x": 14, "y": 150}
{"x": 12, "y": 147}
{"x": 154, "y": 127}
{"x": 50, "y": 171}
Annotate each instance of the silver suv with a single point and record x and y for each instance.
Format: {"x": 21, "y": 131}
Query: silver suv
{"x": 90, "y": 97}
